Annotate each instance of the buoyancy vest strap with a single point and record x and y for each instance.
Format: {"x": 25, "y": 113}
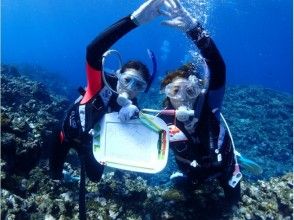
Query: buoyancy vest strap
{"x": 183, "y": 160}
{"x": 199, "y": 105}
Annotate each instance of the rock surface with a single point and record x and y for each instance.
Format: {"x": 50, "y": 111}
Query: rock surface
{"x": 261, "y": 122}
{"x": 29, "y": 117}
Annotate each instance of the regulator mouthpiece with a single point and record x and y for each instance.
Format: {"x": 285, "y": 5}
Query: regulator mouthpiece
{"x": 123, "y": 99}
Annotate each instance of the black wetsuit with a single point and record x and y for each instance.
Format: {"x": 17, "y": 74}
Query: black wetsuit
{"x": 89, "y": 108}
{"x": 207, "y": 136}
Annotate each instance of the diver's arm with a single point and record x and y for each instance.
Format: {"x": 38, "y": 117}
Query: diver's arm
{"x": 211, "y": 55}
{"x": 180, "y": 18}
{"x": 216, "y": 66}
{"x": 95, "y": 51}
{"x": 145, "y": 13}
{"x": 106, "y": 39}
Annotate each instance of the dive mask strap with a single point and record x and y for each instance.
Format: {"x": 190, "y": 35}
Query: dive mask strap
{"x": 154, "y": 68}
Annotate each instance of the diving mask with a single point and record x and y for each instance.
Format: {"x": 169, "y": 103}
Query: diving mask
{"x": 131, "y": 80}
{"x": 182, "y": 89}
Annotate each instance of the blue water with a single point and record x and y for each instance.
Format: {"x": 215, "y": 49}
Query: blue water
{"x": 255, "y": 37}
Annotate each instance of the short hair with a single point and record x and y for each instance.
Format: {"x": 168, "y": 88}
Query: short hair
{"x": 139, "y": 66}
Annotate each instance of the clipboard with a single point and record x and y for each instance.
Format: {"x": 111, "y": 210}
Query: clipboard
{"x": 131, "y": 145}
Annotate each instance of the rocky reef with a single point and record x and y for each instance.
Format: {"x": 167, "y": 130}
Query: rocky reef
{"x": 260, "y": 120}
{"x": 261, "y": 123}
{"x": 29, "y": 117}
{"x": 127, "y": 196}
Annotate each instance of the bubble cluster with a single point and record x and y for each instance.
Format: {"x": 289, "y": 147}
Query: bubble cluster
{"x": 199, "y": 9}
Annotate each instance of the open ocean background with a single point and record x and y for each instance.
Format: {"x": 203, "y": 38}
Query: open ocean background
{"x": 254, "y": 37}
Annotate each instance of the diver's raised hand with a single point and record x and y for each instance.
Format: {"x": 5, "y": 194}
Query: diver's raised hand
{"x": 178, "y": 16}
{"x": 147, "y": 11}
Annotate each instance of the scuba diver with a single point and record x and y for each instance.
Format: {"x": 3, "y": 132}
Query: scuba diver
{"x": 202, "y": 147}
{"x": 100, "y": 97}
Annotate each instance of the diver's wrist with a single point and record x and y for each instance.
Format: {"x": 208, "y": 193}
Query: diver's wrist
{"x": 134, "y": 20}
{"x": 193, "y": 23}
{"x": 195, "y": 30}
{"x": 199, "y": 35}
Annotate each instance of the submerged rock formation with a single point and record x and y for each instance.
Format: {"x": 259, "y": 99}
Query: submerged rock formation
{"x": 261, "y": 122}
{"x": 128, "y": 196}
{"x": 29, "y": 117}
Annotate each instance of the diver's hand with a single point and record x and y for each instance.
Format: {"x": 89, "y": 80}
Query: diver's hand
{"x": 183, "y": 113}
{"x": 178, "y": 16}
{"x": 127, "y": 112}
{"x": 147, "y": 11}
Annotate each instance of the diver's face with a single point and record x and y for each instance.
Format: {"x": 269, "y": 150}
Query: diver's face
{"x": 181, "y": 93}
{"x": 131, "y": 82}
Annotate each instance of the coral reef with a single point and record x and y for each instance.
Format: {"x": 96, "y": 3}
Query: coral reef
{"x": 55, "y": 83}
{"x": 261, "y": 123}
{"x": 29, "y": 117}
{"x": 127, "y": 196}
